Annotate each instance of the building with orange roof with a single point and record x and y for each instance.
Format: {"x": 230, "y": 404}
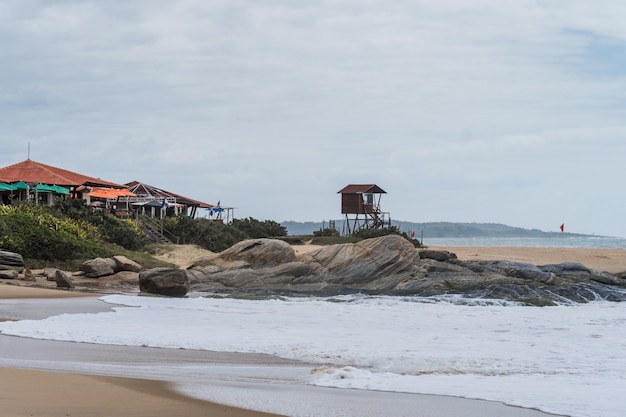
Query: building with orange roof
{"x": 35, "y": 181}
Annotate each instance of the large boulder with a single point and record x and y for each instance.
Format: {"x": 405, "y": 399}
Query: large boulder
{"x": 102, "y": 267}
{"x": 172, "y": 282}
{"x": 267, "y": 264}
{"x": 122, "y": 263}
{"x": 372, "y": 264}
{"x": 8, "y": 274}
{"x": 258, "y": 253}
{"x": 11, "y": 260}
{"x": 63, "y": 279}
{"x": 98, "y": 267}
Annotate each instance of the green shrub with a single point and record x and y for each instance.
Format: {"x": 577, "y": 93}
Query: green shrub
{"x": 35, "y": 233}
{"x": 122, "y": 232}
{"x": 208, "y": 234}
{"x": 326, "y": 232}
{"x": 256, "y": 229}
{"x": 391, "y": 230}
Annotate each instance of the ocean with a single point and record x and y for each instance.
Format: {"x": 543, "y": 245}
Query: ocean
{"x": 566, "y": 241}
{"x": 566, "y": 360}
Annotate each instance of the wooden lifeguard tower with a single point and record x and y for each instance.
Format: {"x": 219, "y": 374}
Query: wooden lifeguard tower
{"x": 360, "y": 205}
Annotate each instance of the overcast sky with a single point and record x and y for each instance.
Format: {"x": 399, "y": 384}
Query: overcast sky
{"x": 497, "y": 111}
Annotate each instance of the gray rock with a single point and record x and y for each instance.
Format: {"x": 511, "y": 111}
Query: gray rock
{"x": 391, "y": 265}
{"x": 50, "y": 273}
{"x": 266, "y": 264}
{"x": 28, "y": 275}
{"x": 122, "y": 263}
{"x": 164, "y": 281}
{"x": 63, "y": 280}
{"x": 8, "y": 274}
{"x": 11, "y": 259}
{"x": 98, "y": 267}
{"x": 259, "y": 253}
{"x": 437, "y": 255}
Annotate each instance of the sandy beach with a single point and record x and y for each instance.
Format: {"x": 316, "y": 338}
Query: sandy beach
{"x": 603, "y": 260}
{"x": 45, "y": 392}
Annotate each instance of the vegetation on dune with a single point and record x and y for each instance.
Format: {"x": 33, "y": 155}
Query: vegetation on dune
{"x": 217, "y": 236}
{"x": 35, "y": 233}
{"x": 67, "y": 234}
{"x": 332, "y": 236}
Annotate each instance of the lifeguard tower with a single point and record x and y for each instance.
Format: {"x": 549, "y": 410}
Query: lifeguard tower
{"x": 360, "y": 205}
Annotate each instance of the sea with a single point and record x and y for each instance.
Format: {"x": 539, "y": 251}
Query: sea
{"x": 566, "y": 359}
{"x": 567, "y": 241}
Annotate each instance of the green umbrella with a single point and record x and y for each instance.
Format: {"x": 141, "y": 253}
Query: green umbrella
{"x": 7, "y": 187}
{"x": 57, "y": 189}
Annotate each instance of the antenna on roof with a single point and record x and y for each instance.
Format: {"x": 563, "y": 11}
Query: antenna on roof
{"x": 29, "y": 150}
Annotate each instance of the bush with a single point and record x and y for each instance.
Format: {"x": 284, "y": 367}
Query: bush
{"x": 208, "y": 234}
{"x": 391, "y": 230}
{"x": 124, "y": 233}
{"x": 256, "y": 229}
{"x": 35, "y": 233}
{"x": 326, "y": 232}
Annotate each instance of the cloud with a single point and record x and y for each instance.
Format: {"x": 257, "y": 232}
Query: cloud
{"x": 480, "y": 111}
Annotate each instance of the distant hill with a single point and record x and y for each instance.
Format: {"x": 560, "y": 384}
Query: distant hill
{"x": 435, "y": 229}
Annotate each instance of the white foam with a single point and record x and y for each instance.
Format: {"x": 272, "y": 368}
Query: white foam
{"x": 565, "y": 359}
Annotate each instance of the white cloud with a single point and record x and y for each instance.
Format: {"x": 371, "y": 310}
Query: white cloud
{"x": 461, "y": 111}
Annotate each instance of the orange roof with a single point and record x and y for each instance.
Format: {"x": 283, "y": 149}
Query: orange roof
{"x": 111, "y": 193}
{"x": 31, "y": 171}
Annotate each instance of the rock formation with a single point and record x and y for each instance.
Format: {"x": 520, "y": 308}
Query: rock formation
{"x": 391, "y": 265}
{"x": 101, "y": 267}
{"x": 11, "y": 260}
{"x": 171, "y": 282}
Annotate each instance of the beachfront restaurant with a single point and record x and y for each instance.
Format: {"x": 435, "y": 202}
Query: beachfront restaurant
{"x": 45, "y": 184}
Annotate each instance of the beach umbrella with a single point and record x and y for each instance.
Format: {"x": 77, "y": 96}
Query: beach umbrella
{"x": 57, "y": 189}
{"x": 20, "y": 185}
{"x": 7, "y": 187}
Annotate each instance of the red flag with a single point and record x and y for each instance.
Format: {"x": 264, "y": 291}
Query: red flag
{"x": 562, "y": 227}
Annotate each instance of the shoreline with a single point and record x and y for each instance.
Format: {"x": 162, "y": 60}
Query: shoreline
{"x": 52, "y": 378}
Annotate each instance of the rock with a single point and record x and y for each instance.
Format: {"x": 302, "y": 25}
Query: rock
{"x": 63, "y": 280}
{"x": 50, "y": 273}
{"x": 391, "y": 265}
{"x": 266, "y": 264}
{"x": 11, "y": 260}
{"x": 259, "y": 253}
{"x": 8, "y": 274}
{"x": 28, "y": 275}
{"x": 98, "y": 267}
{"x": 376, "y": 263}
{"x": 437, "y": 255}
{"x": 164, "y": 281}
{"x": 124, "y": 264}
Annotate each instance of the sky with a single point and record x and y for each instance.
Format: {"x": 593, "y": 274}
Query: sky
{"x": 484, "y": 111}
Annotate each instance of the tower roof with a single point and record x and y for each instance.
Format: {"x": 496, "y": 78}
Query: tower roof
{"x": 361, "y": 189}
